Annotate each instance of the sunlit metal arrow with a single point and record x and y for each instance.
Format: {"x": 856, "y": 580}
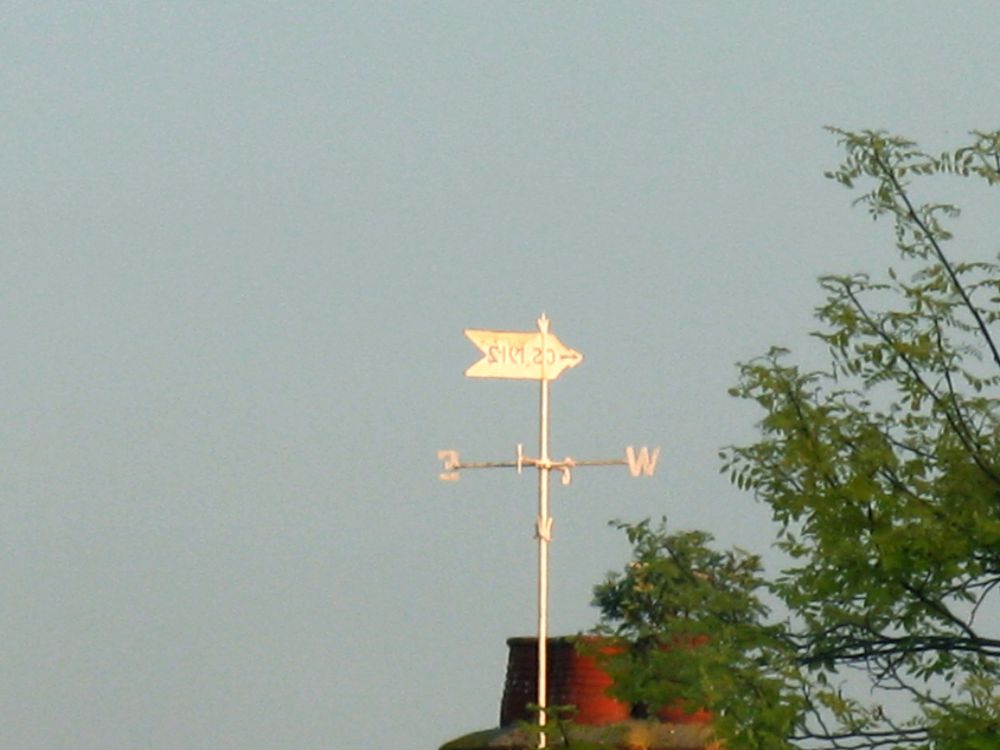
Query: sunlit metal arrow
{"x": 520, "y": 355}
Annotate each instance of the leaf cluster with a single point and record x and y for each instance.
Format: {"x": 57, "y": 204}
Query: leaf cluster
{"x": 698, "y": 635}
{"x": 883, "y": 470}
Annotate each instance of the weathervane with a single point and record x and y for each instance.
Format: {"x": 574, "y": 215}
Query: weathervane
{"x": 531, "y": 355}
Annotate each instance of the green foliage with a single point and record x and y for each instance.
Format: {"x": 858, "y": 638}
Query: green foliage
{"x": 883, "y": 471}
{"x": 697, "y": 637}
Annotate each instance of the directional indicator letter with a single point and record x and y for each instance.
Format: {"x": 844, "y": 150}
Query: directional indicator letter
{"x": 543, "y": 529}
{"x": 642, "y": 462}
{"x": 520, "y": 355}
{"x": 451, "y": 463}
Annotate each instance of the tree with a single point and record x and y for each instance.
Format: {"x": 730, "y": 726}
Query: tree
{"x": 698, "y": 637}
{"x": 882, "y": 472}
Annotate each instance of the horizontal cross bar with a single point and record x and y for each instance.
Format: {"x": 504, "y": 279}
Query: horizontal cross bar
{"x": 639, "y": 462}
{"x": 481, "y": 465}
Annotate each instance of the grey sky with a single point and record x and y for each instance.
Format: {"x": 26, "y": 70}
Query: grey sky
{"x": 240, "y": 243}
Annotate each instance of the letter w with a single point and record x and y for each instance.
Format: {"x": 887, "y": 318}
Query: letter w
{"x": 643, "y": 463}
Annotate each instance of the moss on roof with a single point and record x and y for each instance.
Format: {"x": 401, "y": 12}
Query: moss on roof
{"x": 626, "y": 735}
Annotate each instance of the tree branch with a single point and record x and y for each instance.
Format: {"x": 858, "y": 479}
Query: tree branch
{"x": 890, "y": 175}
{"x": 954, "y": 420}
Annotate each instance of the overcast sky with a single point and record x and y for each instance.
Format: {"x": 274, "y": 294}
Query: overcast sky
{"x": 240, "y": 242}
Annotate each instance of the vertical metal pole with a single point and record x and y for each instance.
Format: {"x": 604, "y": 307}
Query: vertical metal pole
{"x": 544, "y": 530}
